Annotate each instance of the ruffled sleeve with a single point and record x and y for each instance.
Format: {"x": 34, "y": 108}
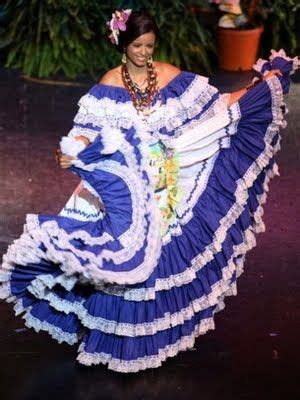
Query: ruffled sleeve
{"x": 122, "y": 245}
{"x": 100, "y": 107}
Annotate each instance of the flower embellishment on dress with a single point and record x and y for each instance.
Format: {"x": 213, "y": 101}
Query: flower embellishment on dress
{"x": 117, "y": 24}
{"x": 164, "y": 163}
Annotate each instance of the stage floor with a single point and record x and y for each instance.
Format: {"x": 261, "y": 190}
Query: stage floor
{"x": 253, "y": 353}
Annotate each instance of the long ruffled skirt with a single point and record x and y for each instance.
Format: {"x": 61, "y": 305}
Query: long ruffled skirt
{"x": 134, "y": 327}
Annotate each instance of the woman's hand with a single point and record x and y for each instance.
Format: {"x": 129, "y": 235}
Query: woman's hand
{"x": 270, "y": 74}
{"x": 84, "y": 139}
{"x": 63, "y": 160}
{"x": 235, "y": 96}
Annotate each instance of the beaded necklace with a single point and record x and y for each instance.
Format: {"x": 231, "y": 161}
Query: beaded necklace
{"x": 141, "y": 98}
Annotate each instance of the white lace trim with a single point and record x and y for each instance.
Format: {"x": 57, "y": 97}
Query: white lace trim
{"x": 211, "y": 111}
{"x": 71, "y": 146}
{"x": 50, "y": 233}
{"x": 168, "y": 320}
{"x": 32, "y": 254}
{"x": 259, "y": 65}
{"x": 56, "y": 333}
{"x": 104, "y": 111}
{"x": 80, "y": 131}
{"x": 165, "y": 283}
{"x": 40, "y": 284}
{"x": 227, "y": 126}
{"x": 170, "y": 115}
{"x": 61, "y": 238}
{"x": 199, "y": 262}
{"x": 90, "y": 359}
{"x": 38, "y": 325}
{"x": 234, "y": 212}
{"x": 189, "y": 196}
{"x": 138, "y": 190}
{"x": 155, "y": 361}
{"x": 133, "y": 238}
{"x": 70, "y": 265}
{"x": 183, "y": 343}
{"x": 281, "y": 53}
{"x": 112, "y": 139}
{"x": 176, "y": 110}
{"x": 136, "y": 185}
{"x": 137, "y": 226}
{"x": 138, "y": 215}
{"x": 5, "y": 292}
{"x": 177, "y": 318}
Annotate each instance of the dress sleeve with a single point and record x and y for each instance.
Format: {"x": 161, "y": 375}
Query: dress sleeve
{"x": 123, "y": 244}
{"x": 81, "y": 127}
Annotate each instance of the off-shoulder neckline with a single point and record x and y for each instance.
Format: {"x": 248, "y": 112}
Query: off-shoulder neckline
{"x": 123, "y": 89}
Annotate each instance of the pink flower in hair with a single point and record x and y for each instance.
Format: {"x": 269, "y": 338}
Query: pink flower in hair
{"x": 117, "y": 24}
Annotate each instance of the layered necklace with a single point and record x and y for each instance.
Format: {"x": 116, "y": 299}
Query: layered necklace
{"x": 141, "y": 98}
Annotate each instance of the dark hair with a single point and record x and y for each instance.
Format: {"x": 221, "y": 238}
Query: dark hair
{"x": 139, "y": 23}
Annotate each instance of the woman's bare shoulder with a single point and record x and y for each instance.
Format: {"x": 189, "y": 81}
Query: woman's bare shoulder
{"x": 112, "y": 77}
{"x": 165, "y": 72}
{"x": 166, "y": 68}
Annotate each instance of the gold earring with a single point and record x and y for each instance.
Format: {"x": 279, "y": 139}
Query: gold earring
{"x": 150, "y": 60}
{"x": 124, "y": 58}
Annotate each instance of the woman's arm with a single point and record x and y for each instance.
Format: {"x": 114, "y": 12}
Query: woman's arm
{"x": 235, "y": 96}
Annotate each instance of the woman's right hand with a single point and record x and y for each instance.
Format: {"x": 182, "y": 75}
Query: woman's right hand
{"x": 63, "y": 160}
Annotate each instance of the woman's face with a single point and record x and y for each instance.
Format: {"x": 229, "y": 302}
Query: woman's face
{"x": 141, "y": 49}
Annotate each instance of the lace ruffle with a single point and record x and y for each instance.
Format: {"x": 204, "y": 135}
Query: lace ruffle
{"x": 267, "y": 64}
{"x": 71, "y": 146}
{"x": 241, "y": 196}
{"x": 171, "y": 115}
{"x": 40, "y": 284}
{"x": 90, "y": 134}
{"x": 38, "y": 325}
{"x": 133, "y": 239}
{"x": 144, "y": 294}
{"x": 168, "y": 320}
{"x": 38, "y": 288}
{"x": 185, "y": 343}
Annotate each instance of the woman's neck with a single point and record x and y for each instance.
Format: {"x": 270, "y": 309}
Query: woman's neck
{"x": 134, "y": 70}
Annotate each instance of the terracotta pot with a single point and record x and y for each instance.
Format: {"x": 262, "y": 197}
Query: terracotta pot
{"x": 238, "y": 48}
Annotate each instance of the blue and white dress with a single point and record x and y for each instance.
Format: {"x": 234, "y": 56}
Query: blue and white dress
{"x": 137, "y": 263}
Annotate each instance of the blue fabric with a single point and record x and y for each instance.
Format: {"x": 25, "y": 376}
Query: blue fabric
{"x": 257, "y": 134}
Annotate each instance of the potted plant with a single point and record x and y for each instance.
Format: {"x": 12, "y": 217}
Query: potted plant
{"x": 239, "y": 31}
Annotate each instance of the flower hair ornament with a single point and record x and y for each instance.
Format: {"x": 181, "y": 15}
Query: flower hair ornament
{"x": 117, "y": 24}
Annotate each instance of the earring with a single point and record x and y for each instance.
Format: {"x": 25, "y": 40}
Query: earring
{"x": 150, "y": 61}
{"x": 124, "y": 58}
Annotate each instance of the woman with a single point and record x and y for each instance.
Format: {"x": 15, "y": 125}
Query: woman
{"x": 173, "y": 178}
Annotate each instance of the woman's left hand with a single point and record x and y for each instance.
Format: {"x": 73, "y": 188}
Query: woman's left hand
{"x": 270, "y": 74}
